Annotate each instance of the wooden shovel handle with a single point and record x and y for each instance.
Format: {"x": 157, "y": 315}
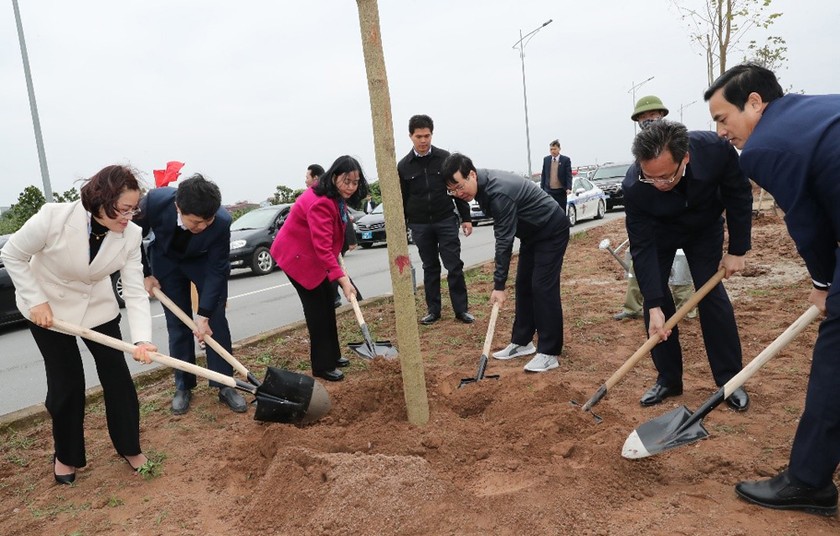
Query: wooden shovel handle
{"x": 188, "y": 321}
{"x": 669, "y": 324}
{"x": 491, "y": 328}
{"x": 356, "y": 309}
{"x": 117, "y": 344}
{"x": 772, "y": 349}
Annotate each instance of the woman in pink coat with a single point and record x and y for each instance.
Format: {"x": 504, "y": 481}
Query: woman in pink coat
{"x": 307, "y": 249}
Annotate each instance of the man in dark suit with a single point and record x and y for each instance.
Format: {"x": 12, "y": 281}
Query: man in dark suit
{"x": 675, "y": 197}
{"x": 556, "y": 177}
{"x": 192, "y": 244}
{"x": 791, "y": 147}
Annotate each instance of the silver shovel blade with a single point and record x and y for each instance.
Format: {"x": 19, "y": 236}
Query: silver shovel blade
{"x": 667, "y": 431}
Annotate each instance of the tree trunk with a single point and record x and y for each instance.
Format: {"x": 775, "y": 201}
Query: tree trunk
{"x": 411, "y": 363}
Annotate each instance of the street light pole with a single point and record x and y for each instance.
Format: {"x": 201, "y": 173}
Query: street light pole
{"x": 683, "y": 107}
{"x": 521, "y": 44}
{"x": 632, "y": 91}
{"x": 33, "y": 107}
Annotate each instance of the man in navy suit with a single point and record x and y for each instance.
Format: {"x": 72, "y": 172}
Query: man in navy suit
{"x": 675, "y": 197}
{"x": 192, "y": 244}
{"x": 556, "y": 177}
{"x": 791, "y": 147}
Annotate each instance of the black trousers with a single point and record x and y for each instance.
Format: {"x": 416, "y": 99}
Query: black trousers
{"x": 703, "y": 251}
{"x": 440, "y": 239}
{"x": 559, "y": 196}
{"x": 181, "y": 338}
{"x": 539, "y": 308}
{"x": 319, "y": 311}
{"x": 816, "y": 446}
{"x": 66, "y": 392}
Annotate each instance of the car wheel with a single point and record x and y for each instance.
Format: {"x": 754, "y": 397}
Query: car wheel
{"x": 116, "y": 284}
{"x": 602, "y": 209}
{"x": 572, "y": 214}
{"x": 261, "y": 262}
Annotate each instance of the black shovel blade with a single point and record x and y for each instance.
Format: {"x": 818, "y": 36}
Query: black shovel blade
{"x": 289, "y": 397}
{"x": 673, "y": 429}
{"x": 479, "y": 375}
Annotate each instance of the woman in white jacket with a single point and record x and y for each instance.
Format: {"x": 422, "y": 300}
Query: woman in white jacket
{"x": 61, "y": 261}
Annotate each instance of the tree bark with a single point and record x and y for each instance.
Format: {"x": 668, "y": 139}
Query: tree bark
{"x": 411, "y": 363}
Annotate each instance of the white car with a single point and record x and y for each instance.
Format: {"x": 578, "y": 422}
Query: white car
{"x": 586, "y": 201}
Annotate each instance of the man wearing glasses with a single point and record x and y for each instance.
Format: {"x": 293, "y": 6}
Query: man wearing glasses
{"x": 520, "y": 209}
{"x": 192, "y": 244}
{"x": 675, "y": 197}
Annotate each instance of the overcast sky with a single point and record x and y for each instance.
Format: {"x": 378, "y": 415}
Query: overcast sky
{"x": 251, "y": 92}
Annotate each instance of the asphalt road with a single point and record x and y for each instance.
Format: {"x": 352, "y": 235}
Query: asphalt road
{"x": 255, "y": 305}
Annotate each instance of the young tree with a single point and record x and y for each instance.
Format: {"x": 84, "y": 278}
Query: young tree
{"x": 720, "y": 27}
{"x": 284, "y": 194}
{"x": 68, "y": 196}
{"x": 411, "y": 363}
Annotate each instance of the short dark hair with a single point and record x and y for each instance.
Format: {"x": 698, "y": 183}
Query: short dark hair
{"x": 658, "y": 137}
{"x": 555, "y": 143}
{"x": 420, "y": 121}
{"x": 741, "y": 80}
{"x": 315, "y": 170}
{"x": 343, "y": 164}
{"x": 198, "y": 196}
{"x": 456, "y": 162}
{"x": 104, "y": 189}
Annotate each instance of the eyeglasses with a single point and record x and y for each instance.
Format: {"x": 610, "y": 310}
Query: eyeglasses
{"x": 455, "y": 191}
{"x": 348, "y": 182}
{"x": 659, "y": 180}
{"x": 127, "y": 213}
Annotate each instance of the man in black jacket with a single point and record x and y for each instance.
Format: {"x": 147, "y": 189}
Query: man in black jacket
{"x": 675, "y": 196}
{"x": 520, "y": 209}
{"x": 431, "y": 216}
{"x": 556, "y": 176}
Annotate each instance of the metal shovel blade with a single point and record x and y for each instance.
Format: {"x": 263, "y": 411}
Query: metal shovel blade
{"x": 289, "y": 397}
{"x": 673, "y": 429}
{"x": 369, "y": 349}
{"x": 479, "y": 375}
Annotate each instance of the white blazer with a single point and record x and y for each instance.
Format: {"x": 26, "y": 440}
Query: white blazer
{"x": 48, "y": 261}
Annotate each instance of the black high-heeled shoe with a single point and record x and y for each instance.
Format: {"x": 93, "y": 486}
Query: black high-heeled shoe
{"x": 63, "y": 479}
{"x": 135, "y": 469}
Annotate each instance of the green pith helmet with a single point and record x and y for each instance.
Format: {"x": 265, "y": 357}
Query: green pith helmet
{"x": 647, "y": 104}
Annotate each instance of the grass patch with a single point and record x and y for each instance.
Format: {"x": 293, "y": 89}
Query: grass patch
{"x": 54, "y": 510}
{"x": 154, "y": 465}
{"x": 148, "y": 407}
{"x": 114, "y": 501}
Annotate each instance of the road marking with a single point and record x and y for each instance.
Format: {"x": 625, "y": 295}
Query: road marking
{"x": 244, "y": 295}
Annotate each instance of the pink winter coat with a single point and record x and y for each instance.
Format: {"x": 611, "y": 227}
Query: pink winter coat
{"x": 308, "y": 244}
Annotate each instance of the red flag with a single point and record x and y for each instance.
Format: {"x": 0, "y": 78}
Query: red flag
{"x": 164, "y": 177}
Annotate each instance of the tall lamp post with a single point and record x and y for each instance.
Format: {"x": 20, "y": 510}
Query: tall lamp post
{"x": 683, "y": 107}
{"x": 523, "y": 40}
{"x": 632, "y": 91}
{"x": 33, "y": 107}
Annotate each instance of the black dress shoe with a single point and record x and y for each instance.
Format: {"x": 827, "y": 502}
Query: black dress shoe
{"x": 739, "y": 400}
{"x": 430, "y": 318}
{"x": 342, "y": 362}
{"x": 465, "y": 317}
{"x": 181, "y": 401}
{"x": 63, "y": 479}
{"x": 232, "y": 399}
{"x": 781, "y": 493}
{"x": 330, "y": 375}
{"x": 658, "y": 393}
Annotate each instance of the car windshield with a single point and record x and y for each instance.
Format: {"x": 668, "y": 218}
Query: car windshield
{"x": 378, "y": 209}
{"x": 610, "y": 172}
{"x": 256, "y": 219}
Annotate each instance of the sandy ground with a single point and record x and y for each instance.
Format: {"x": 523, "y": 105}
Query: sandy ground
{"x": 508, "y": 456}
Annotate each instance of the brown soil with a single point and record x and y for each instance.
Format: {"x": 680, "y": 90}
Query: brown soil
{"x": 507, "y": 456}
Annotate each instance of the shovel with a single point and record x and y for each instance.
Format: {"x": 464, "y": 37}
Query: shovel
{"x": 605, "y": 245}
{"x": 284, "y": 396}
{"x": 482, "y": 361}
{"x": 185, "y": 318}
{"x": 653, "y": 340}
{"x": 680, "y": 426}
{"x": 367, "y": 349}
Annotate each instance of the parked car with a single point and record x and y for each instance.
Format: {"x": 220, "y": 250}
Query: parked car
{"x": 478, "y": 215}
{"x": 585, "y": 202}
{"x": 370, "y": 229}
{"x": 9, "y": 313}
{"x": 116, "y": 278}
{"x": 251, "y": 236}
{"x": 608, "y": 177}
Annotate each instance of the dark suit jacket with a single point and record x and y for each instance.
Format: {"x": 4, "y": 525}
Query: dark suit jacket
{"x": 206, "y": 260}
{"x": 564, "y": 172}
